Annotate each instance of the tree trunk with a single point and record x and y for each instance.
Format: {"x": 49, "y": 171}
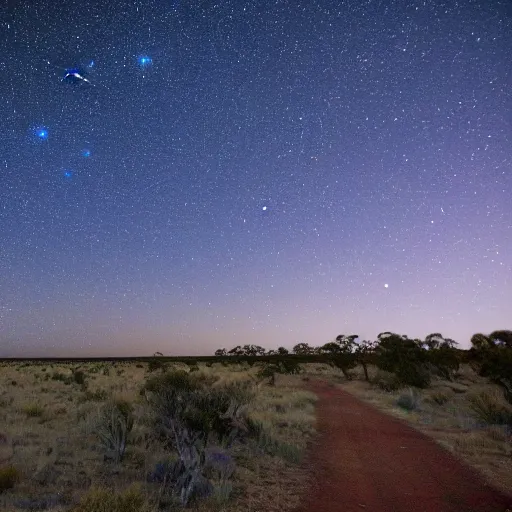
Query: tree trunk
{"x": 365, "y": 369}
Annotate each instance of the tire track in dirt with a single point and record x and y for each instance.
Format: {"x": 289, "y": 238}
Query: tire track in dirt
{"x": 366, "y": 460}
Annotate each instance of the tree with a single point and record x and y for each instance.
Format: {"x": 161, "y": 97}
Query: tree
{"x": 404, "y": 357}
{"x": 236, "y": 351}
{"x": 282, "y": 366}
{"x": 442, "y": 355}
{"x": 364, "y": 350}
{"x": 480, "y": 341}
{"x": 302, "y": 349}
{"x": 492, "y": 357}
{"x": 252, "y": 350}
{"x": 501, "y": 338}
{"x": 221, "y": 352}
{"x": 342, "y": 353}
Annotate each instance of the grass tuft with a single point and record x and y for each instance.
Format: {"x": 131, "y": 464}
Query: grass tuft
{"x": 489, "y": 409}
{"x": 104, "y": 500}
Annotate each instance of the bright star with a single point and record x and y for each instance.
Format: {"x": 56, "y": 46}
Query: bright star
{"x": 264, "y": 208}
{"x": 145, "y": 60}
{"x": 41, "y": 133}
{"x": 68, "y": 174}
{"x": 86, "y": 153}
{"x": 386, "y": 285}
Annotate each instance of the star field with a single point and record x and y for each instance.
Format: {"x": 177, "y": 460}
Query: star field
{"x": 180, "y": 176}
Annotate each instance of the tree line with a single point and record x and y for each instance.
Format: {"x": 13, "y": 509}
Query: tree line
{"x": 412, "y": 362}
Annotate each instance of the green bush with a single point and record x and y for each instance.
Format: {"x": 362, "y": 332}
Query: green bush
{"x": 9, "y": 476}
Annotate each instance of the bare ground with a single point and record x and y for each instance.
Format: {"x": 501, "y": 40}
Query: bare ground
{"x": 367, "y": 460}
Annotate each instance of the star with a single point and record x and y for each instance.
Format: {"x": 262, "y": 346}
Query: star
{"x": 145, "y": 61}
{"x": 41, "y": 133}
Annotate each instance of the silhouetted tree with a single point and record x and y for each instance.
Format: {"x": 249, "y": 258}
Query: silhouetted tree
{"x": 442, "y": 355}
{"x": 221, "y": 352}
{"x": 404, "y": 357}
{"x": 303, "y": 349}
{"x": 492, "y": 358}
{"x": 342, "y": 353}
{"x": 502, "y": 338}
{"x": 364, "y": 350}
{"x": 280, "y": 366}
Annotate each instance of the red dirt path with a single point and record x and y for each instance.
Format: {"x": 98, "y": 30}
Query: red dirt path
{"x": 366, "y": 460}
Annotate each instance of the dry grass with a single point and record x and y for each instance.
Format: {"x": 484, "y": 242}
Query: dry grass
{"x": 447, "y": 414}
{"x": 46, "y": 435}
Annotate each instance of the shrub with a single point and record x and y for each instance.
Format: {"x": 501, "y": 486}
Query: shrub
{"x": 94, "y": 396}
{"x": 439, "y": 398}
{"x": 79, "y": 377}
{"x": 189, "y": 413}
{"x": 489, "y": 409}
{"x": 33, "y": 410}
{"x": 155, "y": 364}
{"x": 386, "y": 381}
{"x": 113, "y": 426}
{"x": 59, "y": 376}
{"x": 104, "y": 500}
{"x": 9, "y": 476}
{"x": 409, "y": 401}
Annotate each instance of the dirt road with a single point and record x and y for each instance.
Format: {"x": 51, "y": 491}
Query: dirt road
{"x": 366, "y": 460}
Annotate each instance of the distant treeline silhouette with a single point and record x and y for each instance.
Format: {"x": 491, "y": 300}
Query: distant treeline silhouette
{"x": 409, "y": 362}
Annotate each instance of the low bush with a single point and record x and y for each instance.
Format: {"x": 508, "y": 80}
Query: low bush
{"x": 33, "y": 410}
{"x": 59, "y": 376}
{"x": 489, "y": 409}
{"x": 439, "y": 398}
{"x": 409, "y": 401}
{"x": 9, "y": 476}
{"x": 114, "y": 424}
{"x": 191, "y": 410}
{"x": 78, "y": 377}
{"x": 386, "y": 381}
{"x": 104, "y": 500}
{"x": 94, "y": 396}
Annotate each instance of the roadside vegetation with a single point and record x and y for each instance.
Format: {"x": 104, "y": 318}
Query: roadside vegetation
{"x": 230, "y": 432}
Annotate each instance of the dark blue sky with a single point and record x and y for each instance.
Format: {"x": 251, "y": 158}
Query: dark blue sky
{"x": 252, "y": 172}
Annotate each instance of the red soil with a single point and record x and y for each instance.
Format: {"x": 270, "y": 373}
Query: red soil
{"x": 366, "y": 460}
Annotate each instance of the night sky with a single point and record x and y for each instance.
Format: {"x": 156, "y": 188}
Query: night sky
{"x": 180, "y": 176}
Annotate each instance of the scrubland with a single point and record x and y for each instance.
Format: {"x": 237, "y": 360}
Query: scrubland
{"x": 60, "y": 440}
{"x": 107, "y": 436}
